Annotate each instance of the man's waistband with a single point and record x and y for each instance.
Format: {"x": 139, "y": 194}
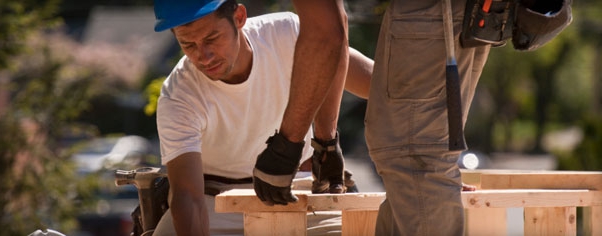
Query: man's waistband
{"x": 227, "y": 180}
{"x": 214, "y": 190}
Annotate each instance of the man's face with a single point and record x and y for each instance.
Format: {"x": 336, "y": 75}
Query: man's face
{"x": 212, "y": 44}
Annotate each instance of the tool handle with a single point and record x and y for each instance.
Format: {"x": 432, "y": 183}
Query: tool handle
{"x": 457, "y": 141}
{"x": 452, "y": 84}
{"x": 448, "y": 31}
{"x": 487, "y": 5}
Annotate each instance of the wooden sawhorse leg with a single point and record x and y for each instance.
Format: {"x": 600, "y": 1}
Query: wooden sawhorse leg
{"x": 550, "y": 220}
{"x": 275, "y": 223}
{"x": 359, "y": 222}
{"x": 485, "y": 221}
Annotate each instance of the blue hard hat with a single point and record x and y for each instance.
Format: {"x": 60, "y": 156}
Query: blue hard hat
{"x": 170, "y": 13}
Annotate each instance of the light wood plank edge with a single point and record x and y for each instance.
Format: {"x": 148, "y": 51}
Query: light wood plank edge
{"x": 542, "y": 179}
{"x": 507, "y": 198}
{"x": 348, "y": 201}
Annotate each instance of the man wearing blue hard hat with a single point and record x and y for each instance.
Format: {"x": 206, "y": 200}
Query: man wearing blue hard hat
{"x": 228, "y": 94}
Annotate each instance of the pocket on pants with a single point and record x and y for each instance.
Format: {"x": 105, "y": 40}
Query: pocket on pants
{"x": 416, "y": 59}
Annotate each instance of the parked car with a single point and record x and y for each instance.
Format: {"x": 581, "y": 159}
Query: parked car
{"x": 100, "y": 158}
{"x": 127, "y": 152}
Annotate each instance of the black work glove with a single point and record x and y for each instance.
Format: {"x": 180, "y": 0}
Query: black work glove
{"x": 275, "y": 169}
{"x": 327, "y": 166}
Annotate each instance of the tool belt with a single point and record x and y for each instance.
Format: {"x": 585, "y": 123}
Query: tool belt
{"x": 160, "y": 195}
{"x": 530, "y": 23}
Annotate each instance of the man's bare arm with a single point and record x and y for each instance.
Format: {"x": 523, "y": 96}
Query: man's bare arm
{"x": 320, "y": 61}
{"x": 321, "y": 47}
{"x": 188, "y": 208}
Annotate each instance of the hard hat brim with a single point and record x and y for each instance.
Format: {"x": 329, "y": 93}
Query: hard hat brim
{"x": 163, "y": 24}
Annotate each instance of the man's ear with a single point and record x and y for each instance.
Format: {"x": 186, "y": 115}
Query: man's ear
{"x": 240, "y": 16}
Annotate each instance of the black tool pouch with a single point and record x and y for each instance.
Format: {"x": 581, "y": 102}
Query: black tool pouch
{"x": 539, "y": 21}
{"x": 530, "y": 23}
{"x": 487, "y": 23}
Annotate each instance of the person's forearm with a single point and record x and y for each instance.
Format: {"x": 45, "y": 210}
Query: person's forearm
{"x": 359, "y": 74}
{"x": 357, "y": 82}
{"x": 190, "y": 216}
{"x": 321, "y": 45}
{"x": 187, "y": 186}
{"x": 325, "y": 123}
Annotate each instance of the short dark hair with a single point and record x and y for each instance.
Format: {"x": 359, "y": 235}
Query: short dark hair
{"x": 226, "y": 10}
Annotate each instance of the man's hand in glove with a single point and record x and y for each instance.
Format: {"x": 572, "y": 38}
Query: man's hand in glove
{"x": 275, "y": 169}
{"x": 327, "y": 166}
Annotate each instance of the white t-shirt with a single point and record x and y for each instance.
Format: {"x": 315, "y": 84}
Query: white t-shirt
{"x": 229, "y": 124}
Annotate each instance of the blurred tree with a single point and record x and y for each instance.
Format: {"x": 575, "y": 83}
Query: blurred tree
{"x": 587, "y": 154}
{"x": 522, "y": 96}
{"x": 544, "y": 71}
{"x": 497, "y": 99}
{"x": 39, "y": 182}
{"x": 39, "y": 185}
{"x": 18, "y": 18}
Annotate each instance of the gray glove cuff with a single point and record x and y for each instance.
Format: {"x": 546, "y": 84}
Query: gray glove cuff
{"x": 275, "y": 180}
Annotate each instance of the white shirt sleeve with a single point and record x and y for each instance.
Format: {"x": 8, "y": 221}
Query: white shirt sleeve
{"x": 180, "y": 132}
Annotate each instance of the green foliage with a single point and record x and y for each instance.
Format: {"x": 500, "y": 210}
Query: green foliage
{"x": 44, "y": 95}
{"x": 553, "y": 86}
{"x": 39, "y": 185}
{"x": 152, "y": 92}
{"x": 12, "y": 141}
{"x": 18, "y": 19}
{"x": 587, "y": 154}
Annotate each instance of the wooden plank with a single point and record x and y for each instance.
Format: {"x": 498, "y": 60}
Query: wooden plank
{"x": 485, "y": 221}
{"x": 359, "y": 222}
{"x": 542, "y": 179}
{"x": 592, "y": 221}
{"x": 506, "y": 198}
{"x": 471, "y": 177}
{"x": 550, "y": 221}
{"x": 275, "y": 223}
{"x": 348, "y": 201}
{"x": 485, "y": 210}
{"x": 245, "y": 200}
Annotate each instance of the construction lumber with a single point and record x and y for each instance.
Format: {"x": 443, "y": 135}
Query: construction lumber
{"x": 547, "y": 211}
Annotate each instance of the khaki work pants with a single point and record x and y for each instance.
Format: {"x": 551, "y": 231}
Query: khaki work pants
{"x": 406, "y": 119}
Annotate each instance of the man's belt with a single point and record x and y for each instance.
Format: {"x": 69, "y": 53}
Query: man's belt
{"x": 227, "y": 180}
{"x": 210, "y": 190}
